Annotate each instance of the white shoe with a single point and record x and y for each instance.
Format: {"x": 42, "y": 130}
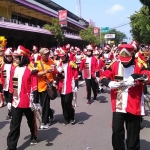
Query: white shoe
{"x": 44, "y": 126}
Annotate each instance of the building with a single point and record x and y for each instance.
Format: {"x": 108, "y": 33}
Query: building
{"x": 21, "y": 22}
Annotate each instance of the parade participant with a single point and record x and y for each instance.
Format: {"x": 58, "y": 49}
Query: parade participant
{"x": 89, "y": 64}
{"x": 100, "y": 69}
{"x": 126, "y": 97}
{"x": 56, "y": 57}
{"x": 3, "y": 43}
{"x": 35, "y": 55}
{"x": 45, "y": 74}
{"x": 5, "y": 78}
{"x": 22, "y": 83}
{"x": 78, "y": 59}
{"x": 67, "y": 83}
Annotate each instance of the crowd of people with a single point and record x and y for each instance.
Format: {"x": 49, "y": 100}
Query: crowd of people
{"x": 25, "y": 74}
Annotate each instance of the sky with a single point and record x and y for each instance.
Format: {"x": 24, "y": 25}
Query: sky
{"x": 105, "y": 13}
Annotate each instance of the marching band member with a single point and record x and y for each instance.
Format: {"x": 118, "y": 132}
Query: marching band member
{"x": 22, "y": 83}
{"x": 126, "y": 97}
{"x": 67, "y": 84}
{"x": 3, "y": 43}
{"x": 6, "y": 69}
{"x": 35, "y": 55}
{"x": 89, "y": 64}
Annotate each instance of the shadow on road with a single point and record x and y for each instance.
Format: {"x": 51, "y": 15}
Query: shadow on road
{"x": 145, "y": 123}
{"x": 47, "y": 135}
{"x": 3, "y": 124}
{"x": 145, "y": 145}
{"x": 102, "y": 99}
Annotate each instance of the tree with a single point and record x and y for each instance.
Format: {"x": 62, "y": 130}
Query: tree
{"x": 55, "y": 29}
{"x": 88, "y": 36}
{"x": 146, "y": 3}
{"x": 119, "y": 36}
{"x": 140, "y": 24}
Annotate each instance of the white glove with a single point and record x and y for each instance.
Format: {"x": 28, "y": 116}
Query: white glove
{"x": 129, "y": 81}
{"x": 60, "y": 69}
{"x": 36, "y": 106}
{"x": 9, "y": 106}
{"x": 114, "y": 84}
{"x": 75, "y": 89}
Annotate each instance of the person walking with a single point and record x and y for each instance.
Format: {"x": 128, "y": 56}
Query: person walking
{"x": 22, "y": 83}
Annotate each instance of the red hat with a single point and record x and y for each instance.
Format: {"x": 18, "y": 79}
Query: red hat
{"x": 34, "y": 47}
{"x": 21, "y": 51}
{"x": 62, "y": 51}
{"x": 89, "y": 47}
{"x": 135, "y": 44}
{"x": 78, "y": 49}
{"x": 67, "y": 46}
{"x": 126, "y": 52}
{"x": 8, "y": 51}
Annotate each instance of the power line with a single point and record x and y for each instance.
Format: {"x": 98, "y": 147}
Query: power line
{"x": 121, "y": 25}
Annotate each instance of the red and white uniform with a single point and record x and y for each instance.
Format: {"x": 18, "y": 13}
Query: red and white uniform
{"x": 132, "y": 97}
{"x": 22, "y": 83}
{"x": 36, "y": 57}
{"x": 101, "y": 65}
{"x": 67, "y": 84}
{"x": 6, "y": 71}
{"x": 89, "y": 64}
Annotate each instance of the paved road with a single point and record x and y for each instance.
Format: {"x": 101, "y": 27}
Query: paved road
{"x": 91, "y": 131}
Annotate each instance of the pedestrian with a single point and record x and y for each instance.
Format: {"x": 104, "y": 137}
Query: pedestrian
{"x": 22, "y": 83}
{"x": 67, "y": 83}
{"x": 123, "y": 77}
{"x": 89, "y": 64}
{"x": 45, "y": 73}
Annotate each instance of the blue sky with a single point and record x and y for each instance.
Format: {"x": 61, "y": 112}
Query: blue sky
{"x": 105, "y": 13}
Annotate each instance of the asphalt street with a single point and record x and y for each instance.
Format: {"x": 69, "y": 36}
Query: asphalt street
{"x": 92, "y": 130}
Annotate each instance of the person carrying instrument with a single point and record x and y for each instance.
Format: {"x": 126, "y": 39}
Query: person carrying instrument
{"x": 22, "y": 83}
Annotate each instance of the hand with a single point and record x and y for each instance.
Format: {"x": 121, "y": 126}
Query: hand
{"x": 129, "y": 81}
{"x": 75, "y": 89}
{"x": 49, "y": 70}
{"x": 9, "y": 106}
{"x": 114, "y": 84}
{"x": 36, "y": 106}
{"x": 60, "y": 69}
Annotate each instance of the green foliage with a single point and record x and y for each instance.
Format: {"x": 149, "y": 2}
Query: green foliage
{"x": 55, "y": 29}
{"x": 140, "y": 24}
{"x": 119, "y": 36}
{"x": 146, "y": 3}
{"x": 88, "y": 36}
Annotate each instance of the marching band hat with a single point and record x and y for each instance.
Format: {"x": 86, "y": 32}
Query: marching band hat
{"x": 126, "y": 52}
{"x": 89, "y": 47}
{"x": 8, "y": 51}
{"x": 22, "y": 51}
{"x": 62, "y": 51}
{"x": 34, "y": 47}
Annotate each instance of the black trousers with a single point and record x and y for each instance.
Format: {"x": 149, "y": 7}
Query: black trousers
{"x": 14, "y": 134}
{"x": 6, "y": 97}
{"x": 66, "y": 103}
{"x": 90, "y": 83}
{"x": 132, "y": 123}
{"x": 45, "y": 104}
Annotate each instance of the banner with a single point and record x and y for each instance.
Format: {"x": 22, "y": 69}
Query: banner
{"x": 96, "y": 31}
{"x": 109, "y": 36}
{"x": 62, "y": 16}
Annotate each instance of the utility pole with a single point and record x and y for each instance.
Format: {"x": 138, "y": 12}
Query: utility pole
{"x": 78, "y": 8}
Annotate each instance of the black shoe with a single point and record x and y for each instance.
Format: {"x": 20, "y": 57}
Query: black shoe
{"x": 66, "y": 123}
{"x": 8, "y": 117}
{"x": 94, "y": 98}
{"x": 33, "y": 141}
{"x": 11, "y": 149}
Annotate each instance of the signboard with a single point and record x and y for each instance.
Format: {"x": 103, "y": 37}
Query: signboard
{"x": 96, "y": 31}
{"x": 109, "y": 36}
{"x": 62, "y": 16}
{"x": 105, "y": 29}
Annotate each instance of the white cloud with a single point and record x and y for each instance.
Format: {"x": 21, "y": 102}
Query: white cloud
{"x": 114, "y": 9}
